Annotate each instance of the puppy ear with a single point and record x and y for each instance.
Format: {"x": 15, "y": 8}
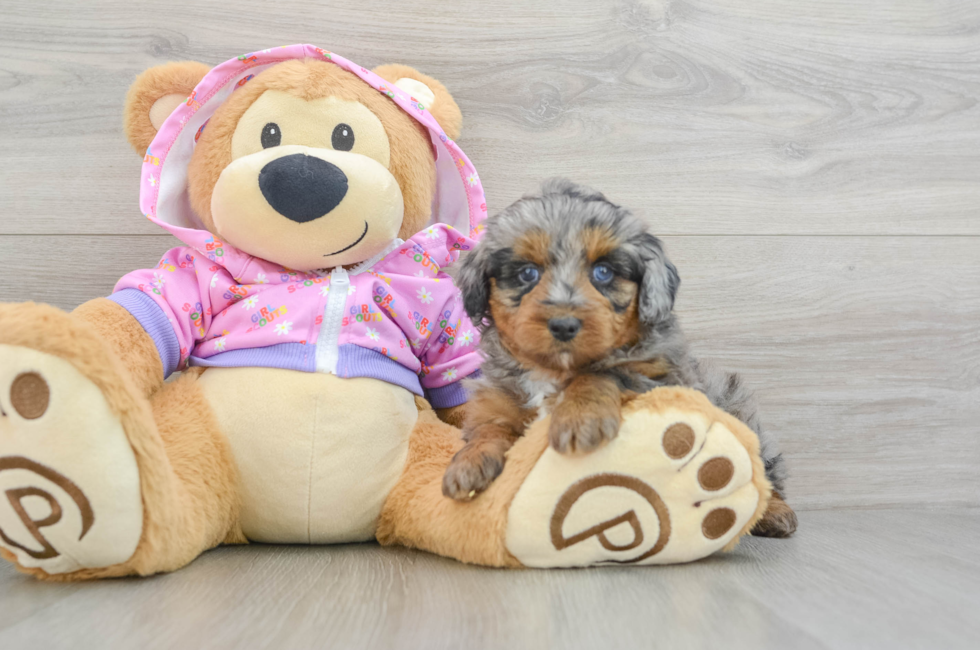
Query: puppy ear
{"x": 658, "y": 287}
{"x": 473, "y": 281}
{"x": 429, "y": 92}
{"x": 154, "y": 95}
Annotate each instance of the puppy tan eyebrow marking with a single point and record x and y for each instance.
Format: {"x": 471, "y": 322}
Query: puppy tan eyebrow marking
{"x": 598, "y": 243}
{"x": 534, "y": 246}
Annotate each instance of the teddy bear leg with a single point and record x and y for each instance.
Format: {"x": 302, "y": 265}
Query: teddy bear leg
{"x": 100, "y": 481}
{"x": 201, "y": 508}
{"x": 680, "y": 481}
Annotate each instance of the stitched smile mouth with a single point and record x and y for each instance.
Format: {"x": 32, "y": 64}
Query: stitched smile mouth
{"x": 347, "y": 248}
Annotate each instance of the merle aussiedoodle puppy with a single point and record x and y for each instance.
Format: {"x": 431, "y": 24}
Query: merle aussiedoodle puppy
{"x": 574, "y": 300}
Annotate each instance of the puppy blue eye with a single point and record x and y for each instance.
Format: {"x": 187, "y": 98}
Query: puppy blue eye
{"x": 602, "y": 274}
{"x": 528, "y": 275}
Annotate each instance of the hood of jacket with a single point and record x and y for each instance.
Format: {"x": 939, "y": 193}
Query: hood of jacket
{"x": 458, "y": 209}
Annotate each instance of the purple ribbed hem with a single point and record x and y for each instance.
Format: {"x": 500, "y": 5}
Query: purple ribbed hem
{"x": 289, "y": 356}
{"x": 155, "y": 322}
{"x": 355, "y": 361}
{"x": 352, "y": 361}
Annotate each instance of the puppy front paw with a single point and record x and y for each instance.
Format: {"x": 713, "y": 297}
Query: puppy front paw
{"x": 576, "y": 428}
{"x": 472, "y": 470}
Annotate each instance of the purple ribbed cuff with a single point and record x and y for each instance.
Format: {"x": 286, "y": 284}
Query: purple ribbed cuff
{"x": 449, "y": 395}
{"x": 155, "y": 322}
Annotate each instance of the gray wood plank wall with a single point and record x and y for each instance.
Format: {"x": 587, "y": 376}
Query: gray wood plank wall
{"x": 814, "y": 168}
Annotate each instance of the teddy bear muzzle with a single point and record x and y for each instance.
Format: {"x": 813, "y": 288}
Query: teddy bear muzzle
{"x": 307, "y": 207}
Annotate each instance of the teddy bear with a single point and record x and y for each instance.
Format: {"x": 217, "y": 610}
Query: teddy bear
{"x": 293, "y": 372}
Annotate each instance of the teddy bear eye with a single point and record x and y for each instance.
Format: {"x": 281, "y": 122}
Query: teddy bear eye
{"x": 343, "y": 137}
{"x": 271, "y": 135}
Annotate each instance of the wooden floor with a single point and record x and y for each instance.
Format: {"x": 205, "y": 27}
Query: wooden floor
{"x": 814, "y": 168}
{"x": 850, "y": 579}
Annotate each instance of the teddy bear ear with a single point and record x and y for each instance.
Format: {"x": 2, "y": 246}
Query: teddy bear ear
{"x": 154, "y": 95}
{"x": 440, "y": 103}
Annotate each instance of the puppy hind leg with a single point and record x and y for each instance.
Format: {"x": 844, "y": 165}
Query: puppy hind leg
{"x": 728, "y": 392}
{"x": 779, "y": 520}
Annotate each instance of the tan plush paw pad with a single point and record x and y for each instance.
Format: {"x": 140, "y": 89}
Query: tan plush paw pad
{"x": 69, "y": 483}
{"x": 674, "y": 486}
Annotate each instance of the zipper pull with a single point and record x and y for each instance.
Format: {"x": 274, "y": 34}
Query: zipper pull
{"x": 339, "y": 276}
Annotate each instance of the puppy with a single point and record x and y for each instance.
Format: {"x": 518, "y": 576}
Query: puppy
{"x": 574, "y": 300}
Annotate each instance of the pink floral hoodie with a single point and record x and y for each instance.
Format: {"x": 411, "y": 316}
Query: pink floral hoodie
{"x": 397, "y": 317}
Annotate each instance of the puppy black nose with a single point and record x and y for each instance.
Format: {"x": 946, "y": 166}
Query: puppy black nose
{"x": 564, "y": 329}
{"x": 302, "y": 188}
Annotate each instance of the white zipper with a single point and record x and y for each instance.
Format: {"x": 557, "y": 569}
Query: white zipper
{"x": 327, "y": 344}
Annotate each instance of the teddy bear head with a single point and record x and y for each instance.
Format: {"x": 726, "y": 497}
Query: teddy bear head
{"x": 303, "y": 164}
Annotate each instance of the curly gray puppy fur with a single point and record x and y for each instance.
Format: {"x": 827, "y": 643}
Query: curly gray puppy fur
{"x": 562, "y": 210}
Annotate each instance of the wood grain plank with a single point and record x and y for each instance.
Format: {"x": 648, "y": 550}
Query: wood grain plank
{"x": 865, "y": 350}
{"x": 711, "y": 116}
{"x": 67, "y": 270}
{"x": 869, "y": 579}
{"x": 865, "y": 353}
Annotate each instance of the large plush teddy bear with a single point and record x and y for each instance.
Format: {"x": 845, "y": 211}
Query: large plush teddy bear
{"x": 322, "y": 345}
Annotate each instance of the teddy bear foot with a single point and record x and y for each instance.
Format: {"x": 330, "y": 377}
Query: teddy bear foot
{"x": 681, "y": 481}
{"x": 67, "y": 470}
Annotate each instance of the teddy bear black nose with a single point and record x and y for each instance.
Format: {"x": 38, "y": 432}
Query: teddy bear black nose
{"x": 302, "y": 188}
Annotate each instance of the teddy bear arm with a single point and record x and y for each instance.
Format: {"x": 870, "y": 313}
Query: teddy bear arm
{"x": 124, "y": 336}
